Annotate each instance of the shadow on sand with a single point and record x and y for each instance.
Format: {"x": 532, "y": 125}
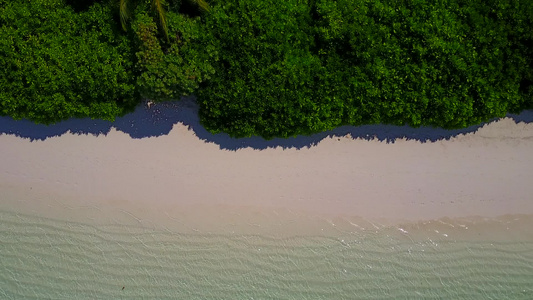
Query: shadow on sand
{"x": 158, "y": 119}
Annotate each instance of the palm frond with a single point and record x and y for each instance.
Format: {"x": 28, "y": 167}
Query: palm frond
{"x": 202, "y": 4}
{"x": 123, "y": 9}
{"x": 159, "y": 6}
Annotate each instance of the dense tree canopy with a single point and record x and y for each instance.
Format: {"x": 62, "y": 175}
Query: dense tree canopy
{"x": 270, "y": 67}
{"x": 57, "y": 64}
{"x": 173, "y": 67}
{"x": 266, "y": 75}
{"x": 301, "y": 68}
{"x": 449, "y": 64}
{"x": 125, "y": 8}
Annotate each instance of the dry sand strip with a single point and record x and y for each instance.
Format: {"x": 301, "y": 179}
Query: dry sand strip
{"x": 180, "y": 180}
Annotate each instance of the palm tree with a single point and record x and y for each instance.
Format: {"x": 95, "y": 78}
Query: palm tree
{"x": 159, "y": 6}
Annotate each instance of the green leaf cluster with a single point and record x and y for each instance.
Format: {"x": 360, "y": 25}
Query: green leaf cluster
{"x": 58, "y": 64}
{"x": 270, "y": 67}
{"x": 168, "y": 70}
{"x": 266, "y": 76}
{"x": 447, "y": 63}
{"x": 297, "y": 67}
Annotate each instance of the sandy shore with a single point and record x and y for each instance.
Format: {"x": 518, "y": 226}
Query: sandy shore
{"x": 179, "y": 180}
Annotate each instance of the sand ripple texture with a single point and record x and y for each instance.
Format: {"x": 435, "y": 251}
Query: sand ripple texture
{"x": 47, "y": 259}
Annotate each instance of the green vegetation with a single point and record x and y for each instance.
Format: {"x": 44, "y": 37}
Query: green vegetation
{"x": 266, "y": 77}
{"x": 57, "y": 64}
{"x": 449, "y": 64}
{"x": 168, "y": 70}
{"x": 270, "y": 67}
{"x": 302, "y": 68}
{"x": 159, "y": 6}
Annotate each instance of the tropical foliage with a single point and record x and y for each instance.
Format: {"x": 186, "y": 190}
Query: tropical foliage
{"x": 58, "y": 64}
{"x": 291, "y": 67}
{"x": 449, "y": 64}
{"x": 160, "y": 6}
{"x": 176, "y": 68}
{"x": 270, "y": 67}
{"x": 266, "y": 75}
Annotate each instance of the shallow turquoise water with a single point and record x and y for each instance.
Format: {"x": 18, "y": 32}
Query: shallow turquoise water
{"x": 50, "y": 259}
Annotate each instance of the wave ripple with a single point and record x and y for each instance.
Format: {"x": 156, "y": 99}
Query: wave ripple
{"x": 48, "y": 259}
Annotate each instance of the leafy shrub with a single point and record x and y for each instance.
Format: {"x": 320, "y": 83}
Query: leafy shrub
{"x": 449, "y": 64}
{"x": 266, "y": 76}
{"x": 270, "y": 67}
{"x": 58, "y": 64}
{"x": 297, "y": 67}
{"x": 168, "y": 70}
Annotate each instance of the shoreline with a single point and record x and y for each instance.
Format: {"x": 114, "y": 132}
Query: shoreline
{"x": 181, "y": 178}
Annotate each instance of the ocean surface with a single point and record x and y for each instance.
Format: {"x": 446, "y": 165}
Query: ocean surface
{"x": 43, "y": 258}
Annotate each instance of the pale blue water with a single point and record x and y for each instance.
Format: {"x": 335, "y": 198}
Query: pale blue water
{"x": 49, "y": 259}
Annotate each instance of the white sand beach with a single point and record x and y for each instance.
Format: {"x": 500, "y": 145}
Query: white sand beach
{"x": 182, "y": 182}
